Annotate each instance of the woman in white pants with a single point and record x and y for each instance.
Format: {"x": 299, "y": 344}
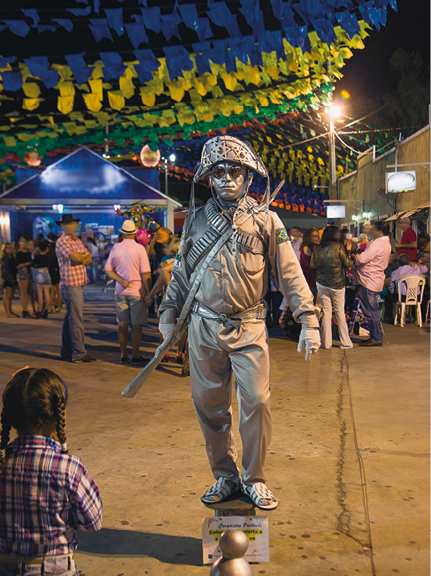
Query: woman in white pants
{"x": 330, "y": 260}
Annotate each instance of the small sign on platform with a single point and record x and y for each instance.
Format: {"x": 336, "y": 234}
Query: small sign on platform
{"x": 256, "y": 528}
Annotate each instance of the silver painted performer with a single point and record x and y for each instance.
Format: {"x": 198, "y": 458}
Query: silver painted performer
{"x": 227, "y": 328}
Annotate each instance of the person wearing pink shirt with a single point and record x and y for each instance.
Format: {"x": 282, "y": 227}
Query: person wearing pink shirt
{"x": 370, "y": 268}
{"x": 129, "y": 266}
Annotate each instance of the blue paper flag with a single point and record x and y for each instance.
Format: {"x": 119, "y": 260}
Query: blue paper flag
{"x": 65, "y": 22}
{"x": 37, "y": 65}
{"x": 325, "y": 29}
{"x": 18, "y": 27}
{"x": 221, "y": 16}
{"x": 371, "y": 15}
{"x": 137, "y": 34}
{"x": 169, "y": 26}
{"x": 147, "y": 63}
{"x": 203, "y": 29}
{"x": 189, "y": 15}
{"x": 113, "y": 65}
{"x": 152, "y": 18}
{"x": 31, "y": 13}
{"x": 97, "y": 6}
{"x": 348, "y": 22}
{"x": 218, "y": 53}
{"x": 80, "y": 11}
{"x": 202, "y": 64}
{"x": 143, "y": 3}
{"x": 79, "y": 67}
{"x": 50, "y": 78}
{"x": 100, "y": 29}
{"x": 177, "y": 60}
{"x": 7, "y": 60}
{"x": 45, "y": 28}
{"x": 115, "y": 19}
{"x": 12, "y": 81}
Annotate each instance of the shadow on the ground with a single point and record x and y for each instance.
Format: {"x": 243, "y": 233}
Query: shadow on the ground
{"x": 28, "y": 352}
{"x": 164, "y": 547}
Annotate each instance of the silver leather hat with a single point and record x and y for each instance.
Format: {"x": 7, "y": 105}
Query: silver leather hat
{"x": 228, "y": 149}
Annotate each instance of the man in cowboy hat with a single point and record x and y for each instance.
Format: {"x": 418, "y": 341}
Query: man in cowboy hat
{"x": 73, "y": 257}
{"x": 129, "y": 266}
{"x": 227, "y": 329}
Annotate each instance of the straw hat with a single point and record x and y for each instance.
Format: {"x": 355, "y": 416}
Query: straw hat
{"x": 128, "y": 227}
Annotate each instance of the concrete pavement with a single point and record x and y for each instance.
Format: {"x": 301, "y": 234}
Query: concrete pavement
{"x": 349, "y": 459}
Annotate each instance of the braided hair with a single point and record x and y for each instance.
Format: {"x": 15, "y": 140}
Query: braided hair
{"x": 32, "y": 398}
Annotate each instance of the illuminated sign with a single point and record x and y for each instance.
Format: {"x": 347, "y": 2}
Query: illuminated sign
{"x": 335, "y": 211}
{"x": 397, "y": 182}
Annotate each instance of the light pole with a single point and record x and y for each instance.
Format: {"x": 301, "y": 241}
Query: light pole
{"x": 333, "y": 113}
{"x": 172, "y": 159}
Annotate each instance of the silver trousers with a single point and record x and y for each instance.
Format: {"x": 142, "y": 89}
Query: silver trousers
{"x": 216, "y": 353}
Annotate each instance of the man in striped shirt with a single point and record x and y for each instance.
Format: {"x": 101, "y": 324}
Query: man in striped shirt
{"x": 73, "y": 257}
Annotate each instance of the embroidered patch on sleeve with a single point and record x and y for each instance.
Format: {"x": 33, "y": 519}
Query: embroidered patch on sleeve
{"x": 281, "y": 235}
{"x": 178, "y": 259}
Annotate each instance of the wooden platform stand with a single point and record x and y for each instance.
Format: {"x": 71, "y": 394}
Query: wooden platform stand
{"x": 237, "y": 504}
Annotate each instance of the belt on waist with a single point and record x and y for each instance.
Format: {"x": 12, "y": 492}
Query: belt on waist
{"x": 250, "y": 315}
{"x": 40, "y": 560}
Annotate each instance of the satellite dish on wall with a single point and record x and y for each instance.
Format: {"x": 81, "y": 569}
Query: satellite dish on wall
{"x": 148, "y": 158}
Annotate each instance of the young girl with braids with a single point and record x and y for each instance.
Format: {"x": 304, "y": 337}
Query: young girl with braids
{"x": 46, "y": 494}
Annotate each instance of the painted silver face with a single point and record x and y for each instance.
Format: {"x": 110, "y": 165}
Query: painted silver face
{"x": 230, "y": 181}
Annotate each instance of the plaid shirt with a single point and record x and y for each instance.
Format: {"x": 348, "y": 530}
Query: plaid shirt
{"x": 45, "y": 496}
{"x": 71, "y": 274}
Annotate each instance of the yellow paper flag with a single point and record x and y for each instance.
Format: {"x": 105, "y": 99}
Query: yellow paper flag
{"x": 176, "y": 91}
{"x": 96, "y": 88}
{"x": 92, "y": 102}
{"x": 31, "y": 103}
{"x": 126, "y": 86}
{"x": 147, "y": 96}
{"x": 65, "y": 104}
{"x": 9, "y": 141}
{"x": 116, "y": 99}
{"x": 31, "y": 89}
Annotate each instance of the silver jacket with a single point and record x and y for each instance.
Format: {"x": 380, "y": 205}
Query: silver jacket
{"x": 237, "y": 278}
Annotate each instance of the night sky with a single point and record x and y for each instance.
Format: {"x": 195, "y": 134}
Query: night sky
{"x": 367, "y": 73}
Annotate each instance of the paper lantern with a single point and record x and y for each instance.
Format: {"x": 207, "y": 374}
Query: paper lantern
{"x": 149, "y": 159}
{"x": 32, "y": 158}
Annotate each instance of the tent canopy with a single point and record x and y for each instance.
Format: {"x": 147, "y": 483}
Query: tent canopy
{"x": 84, "y": 177}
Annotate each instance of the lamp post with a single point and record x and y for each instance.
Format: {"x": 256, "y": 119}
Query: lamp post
{"x": 333, "y": 113}
{"x": 172, "y": 159}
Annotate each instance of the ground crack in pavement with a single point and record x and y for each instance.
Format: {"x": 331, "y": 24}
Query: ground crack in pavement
{"x": 352, "y": 490}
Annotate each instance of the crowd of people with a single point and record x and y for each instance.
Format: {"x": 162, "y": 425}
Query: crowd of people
{"x": 340, "y": 271}
{"x": 364, "y": 271}
{"x": 31, "y": 266}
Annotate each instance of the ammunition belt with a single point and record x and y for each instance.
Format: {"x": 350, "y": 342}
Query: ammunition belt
{"x": 218, "y": 225}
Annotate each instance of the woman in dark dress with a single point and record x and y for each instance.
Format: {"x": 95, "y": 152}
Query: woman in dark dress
{"x": 8, "y": 274}
{"x": 23, "y": 260}
{"x": 54, "y": 272}
{"x": 309, "y": 241}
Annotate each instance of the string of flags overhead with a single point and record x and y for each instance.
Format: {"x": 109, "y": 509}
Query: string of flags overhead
{"x": 162, "y": 74}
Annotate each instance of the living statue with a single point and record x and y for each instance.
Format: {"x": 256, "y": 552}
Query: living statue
{"x": 227, "y": 329}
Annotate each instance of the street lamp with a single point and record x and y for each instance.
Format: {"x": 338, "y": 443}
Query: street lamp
{"x": 333, "y": 112}
{"x": 171, "y": 159}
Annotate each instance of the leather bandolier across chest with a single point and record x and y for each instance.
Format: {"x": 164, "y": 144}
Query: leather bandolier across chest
{"x": 218, "y": 225}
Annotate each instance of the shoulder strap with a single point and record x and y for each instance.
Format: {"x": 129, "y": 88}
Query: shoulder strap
{"x": 197, "y": 280}
{"x": 199, "y": 272}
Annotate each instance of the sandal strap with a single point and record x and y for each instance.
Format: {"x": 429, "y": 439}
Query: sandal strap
{"x": 259, "y": 493}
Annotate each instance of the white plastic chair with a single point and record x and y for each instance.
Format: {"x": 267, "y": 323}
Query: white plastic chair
{"x": 412, "y": 298}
